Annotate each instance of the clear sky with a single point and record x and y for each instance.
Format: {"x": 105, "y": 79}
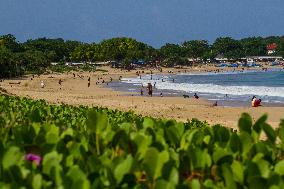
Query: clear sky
{"x": 151, "y": 21}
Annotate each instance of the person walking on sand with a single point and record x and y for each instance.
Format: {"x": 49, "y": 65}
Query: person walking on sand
{"x": 150, "y": 89}
{"x": 42, "y": 84}
{"x": 89, "y": 82}
{"x": 141, "y": 92}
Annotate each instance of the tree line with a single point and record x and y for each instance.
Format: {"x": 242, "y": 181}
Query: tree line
{"x": 35, "y": 55}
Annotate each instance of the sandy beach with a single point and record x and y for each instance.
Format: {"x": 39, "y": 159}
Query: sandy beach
{"x": 75, "y": 91}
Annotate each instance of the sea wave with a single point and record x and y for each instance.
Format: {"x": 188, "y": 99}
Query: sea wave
{"x": 209, "y": 88}
{"x": 220, "y": 89}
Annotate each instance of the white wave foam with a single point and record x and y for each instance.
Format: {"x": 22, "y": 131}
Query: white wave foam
{"x": 210, "y": 88}
{"x": 219, "y": 89}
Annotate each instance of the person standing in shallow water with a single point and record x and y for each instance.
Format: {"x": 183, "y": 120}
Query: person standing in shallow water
{"x": 150, "y": 89}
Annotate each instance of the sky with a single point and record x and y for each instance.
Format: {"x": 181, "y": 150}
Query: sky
{"x": 154, "y": 22}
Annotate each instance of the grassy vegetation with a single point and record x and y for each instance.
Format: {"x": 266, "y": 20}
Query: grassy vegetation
{"x": 61, "y": 146}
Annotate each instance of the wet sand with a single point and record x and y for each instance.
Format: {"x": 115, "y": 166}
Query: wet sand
{"x": 75, "y": 91}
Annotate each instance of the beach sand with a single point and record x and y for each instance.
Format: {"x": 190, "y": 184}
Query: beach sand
{"x": 75, "y": 91}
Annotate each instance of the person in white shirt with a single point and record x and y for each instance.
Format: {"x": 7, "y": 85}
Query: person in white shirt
{"x": 42, "y": 84}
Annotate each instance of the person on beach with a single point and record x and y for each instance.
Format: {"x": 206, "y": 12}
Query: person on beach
{"x": 161, "y": 94}
{"x": 255, "y": 102}
{"x": 42, "y": 84}
{"x": 60, "y": 82}
{"x": 141, "y": 92}
{"x": 150, "y": 89}
{"x": 89, "y": 82}
{"x": 196, "y": 96}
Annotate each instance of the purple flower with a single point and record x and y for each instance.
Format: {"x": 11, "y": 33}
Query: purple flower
{"x": 34, "y": 158}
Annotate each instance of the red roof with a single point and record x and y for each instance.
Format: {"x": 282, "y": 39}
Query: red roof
{"x": 271, "y": 46}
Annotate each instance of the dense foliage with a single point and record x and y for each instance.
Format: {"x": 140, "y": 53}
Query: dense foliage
{"x": 36, "y": 55}
{"x": 51, "y": 146}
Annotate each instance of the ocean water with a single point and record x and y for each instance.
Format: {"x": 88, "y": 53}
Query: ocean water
{"x": 226, "y": 87}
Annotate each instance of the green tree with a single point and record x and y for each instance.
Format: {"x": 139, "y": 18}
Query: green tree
{"x": 9, "y": 41}
{"x": 7, "y": 63}
{"x": 253, "y": 46}
{"x": 227, "y": 46}
{"x": 35, "y": 61}
{"x": 196, "y": 48}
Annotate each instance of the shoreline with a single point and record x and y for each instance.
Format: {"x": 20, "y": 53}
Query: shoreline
{"x": 74, "y": 91}
{"x": 133, "y": 86}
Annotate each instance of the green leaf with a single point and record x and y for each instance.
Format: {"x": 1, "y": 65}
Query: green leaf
{"x": 235, "y": 143}
{"x": 154, "y": 161}
{"x": 78, "y": 178}
{"x": 163, "y": 184}
{"x": 274, "y": 187}
{"x": 37, "y": 181}
{"x": 281, "y": 130}
{"x": 270, "y": 133}
{"x": 221, "y": 156}
{"x": 257, "y": 182}
{"x": 96, "y": 121}
{"x": 200, "y": 158}
{"x": 238, "y": 171}
{"x": 123, "y": 168}
{"x": 247, "y": 142}
{"x": 228, "y": 176}
{"x": 195, "y": 184}
{"x": 51, "y": 160}
{"x": 259, "y": 123}
{"x": 279, "y": 168}
{"x": 170, "y": 172}
{"x": 263, "y": 167}
{"x": 245, "y": 123}
{"x": 148, "y": 122}
{"x": 13, "y": 156}
{"x": 52, "y": 136}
